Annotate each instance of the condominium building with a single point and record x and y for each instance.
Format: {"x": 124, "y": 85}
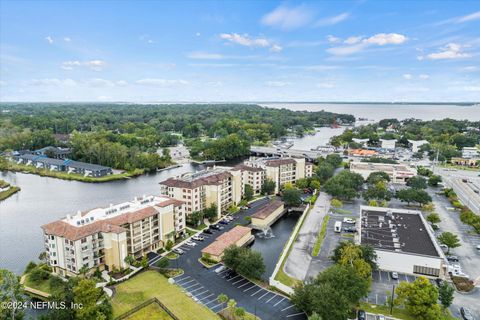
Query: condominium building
{"x": 282, "y": 170}
{"x": 219, "y": 186}
{"x": 103, "y": 237}
{"x": 252, "y": 176}
{"x": 398, "y": 173}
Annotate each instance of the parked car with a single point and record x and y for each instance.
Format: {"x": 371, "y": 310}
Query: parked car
{"x": 452, "y": 258}
{"x": 350, "y": 229}
{"x": 244, "y": 208}
{"x": 466, "y": 314}
{"x": 220, "y": 269}
{"x": 438, "y": 281}
{"x": 198, "y": 238}
{"x": 216, "y": 227}
{"x": 230, "y": 274}
{"x": 230, "y": 218}
{"x": 348, "y": 220}
{"x": 208, "y": 231}
{"x": 190, "y": 243}
{"x": 361, "y": 315}
{"x": 223, "y": 221}
{"x": 478, "y": 247}
{"x": 380, "y": 317}
{"x": 394, "y": 275}
{"x": 178, "y": 251}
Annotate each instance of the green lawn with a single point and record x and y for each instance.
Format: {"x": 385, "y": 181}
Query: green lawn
{"x": 321, "y": 236}
{"x": 5, "y": 194}
{"x": 152, "y": 312}
{"x": 150, "y": 284}
{"x": 39, "y": 285}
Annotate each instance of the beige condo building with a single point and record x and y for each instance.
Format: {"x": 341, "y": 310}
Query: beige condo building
{"x": 220, "y": 186}
{"x": 103, "y": 237}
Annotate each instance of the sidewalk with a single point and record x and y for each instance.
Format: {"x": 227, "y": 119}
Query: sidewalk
{"x": 298, "y": 261}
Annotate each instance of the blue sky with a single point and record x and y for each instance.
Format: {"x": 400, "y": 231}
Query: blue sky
{"x": 239, "y": 51}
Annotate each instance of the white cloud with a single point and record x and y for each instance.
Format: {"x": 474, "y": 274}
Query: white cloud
{"x": 99, "y": 83}
{"x": 287, "y": 18}
{"x": 198, "y": 34}
{"x": 424, "y": 76}
{"x": 352, "y": 40}
{"x": 96, "y": 65}
{"x": 469, "y": 88}
{"x": 333, "y": 39}
{"x": 121, "y": 83}
{"x": 67, "y": 39}
{"x": 325, "y": 85}
{"x": 386, "y": 38}
{"x": 204, "y": 55}
{"x": 155, "y": 82}
{"x": 357, "y": 44}
{"x": 469, "y": 17}
{"x": 407, "y": 76}
{"x": 277, "y": 83}
{"x": 146, "y": 38}
{"x": 470, "y": 69}
{"x": 246, "y": 40}
{"x": 330, "y": 21}
{"x": 49, "y": 39}
{"x": 53, "y": 82}
{"x": 450, "y": 51}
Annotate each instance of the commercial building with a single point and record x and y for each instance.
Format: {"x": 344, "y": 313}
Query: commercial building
{"x": 403, "y": 241}
{"x": 362, "y": 153}
{"x": 398, "y": 173}
{"x": 467, "y": 162}
{"x": 252, "y": 176}
{"x": 219, "y": 186}
{"x": 471, "y": 153}
{"x": 388, "y": 144}
{"x": 238, "y": 236}
{"x": 103, "y": 237}
{"x": 282, "y": 170}
{"x": 69, "y": 166}
{"x": 268, "y": 214}
{"x": 362, "y": 142}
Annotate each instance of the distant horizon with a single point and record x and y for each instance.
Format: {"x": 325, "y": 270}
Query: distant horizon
{"x": 464, "y": 103}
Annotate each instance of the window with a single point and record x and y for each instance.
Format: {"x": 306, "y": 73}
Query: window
{"x": 84, "y": 240}
{"x": 426, "y": 271}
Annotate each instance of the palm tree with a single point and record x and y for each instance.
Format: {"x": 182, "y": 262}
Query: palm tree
{"x": 222, "y": 298}
{"x": 231, "y": 307}
{"x": 83, "y": 270}
{"x": 239, "y": 312}
{"x": 129, "y": 260}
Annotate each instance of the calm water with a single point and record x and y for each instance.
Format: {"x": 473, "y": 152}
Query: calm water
{"x": 271, "y": 247}
{"x": 382, "y": 111}
{"x": 43, "y": 200}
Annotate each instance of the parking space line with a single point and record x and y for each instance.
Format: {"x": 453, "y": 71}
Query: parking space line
{"x": 257, "y": 292}
{"x": 238, "y": 281}
{"x": 197, "y": 289}
{"x": 186, "y": 282}
{"x": 274, "y": 296}
{"x": 211, "y": 301}
{"x": 182, "y": 279}
{"x": 206, "y": 297}
{"x": 218, "y": 305}
{"x": 264, "y": 295}
{"x": 234, "y": 277}
{"x": 295, "y": 314}
{"x": 287, "y": 307}
{"x": 279, "y": 302}
{"x": 244, "y": 284}
{"x": 199, "y": 294}
{"x": 250, "y": 288}
{"x": 224, "y": 271}
{"x": 196, "y": 284}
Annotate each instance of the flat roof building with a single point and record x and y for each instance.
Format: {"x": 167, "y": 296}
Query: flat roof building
{"x": 103, "y": 237}
{"x": 388, "y": 144}
{"x": 402, "y": 239}
{"x": 416, "y": 144}
{"x": 398, "y": 173}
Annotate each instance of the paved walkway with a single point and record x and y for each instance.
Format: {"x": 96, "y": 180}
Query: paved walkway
{"x": 300, "y": 255}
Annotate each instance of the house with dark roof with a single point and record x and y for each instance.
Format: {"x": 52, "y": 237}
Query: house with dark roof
{"x": 402, "y": 239}
{"x": 53, "y": 152}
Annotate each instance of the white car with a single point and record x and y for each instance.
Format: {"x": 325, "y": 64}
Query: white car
{"x": 198, "y": 238}
{"x": 190, "y": 243}
{"x": 348, "y": 220}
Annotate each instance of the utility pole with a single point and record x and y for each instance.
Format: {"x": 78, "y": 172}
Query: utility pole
{"x": 391, "y": 300}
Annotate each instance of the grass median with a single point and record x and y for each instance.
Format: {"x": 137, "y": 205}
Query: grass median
{"x": 321, "y": 236}
{"x": 7, "y": 193}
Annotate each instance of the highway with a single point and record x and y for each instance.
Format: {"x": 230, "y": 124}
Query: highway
{"x": 464, "y": 190}
{"x": 274, "y": 151}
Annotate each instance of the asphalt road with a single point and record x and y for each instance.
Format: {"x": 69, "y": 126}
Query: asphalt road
{"x": 464, "y": 190}
{"x": 204, "y": 285}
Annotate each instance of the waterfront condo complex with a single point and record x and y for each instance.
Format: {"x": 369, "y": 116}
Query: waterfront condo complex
{"x": 103, "y": 237}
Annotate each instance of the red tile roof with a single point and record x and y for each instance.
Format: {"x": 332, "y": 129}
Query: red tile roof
{"x": 268, "y": 209}
{"x": 227, "y": 239}
{"x": 247, "y": 168}
{"x": 280, "y": 162}
{"x": 213, "y": 179}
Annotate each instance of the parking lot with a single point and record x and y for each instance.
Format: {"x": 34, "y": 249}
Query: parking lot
{"x": 382, "y": 286}
{"x": 204, "y": 285}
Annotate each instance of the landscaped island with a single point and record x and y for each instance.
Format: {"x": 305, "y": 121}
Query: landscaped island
{"x": 6, "y": 190}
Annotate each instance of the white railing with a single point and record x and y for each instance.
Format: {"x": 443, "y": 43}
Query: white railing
{"x": 283, "y": 256}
